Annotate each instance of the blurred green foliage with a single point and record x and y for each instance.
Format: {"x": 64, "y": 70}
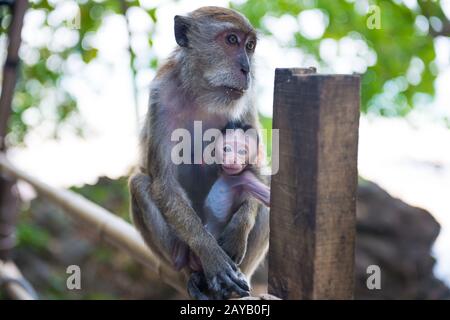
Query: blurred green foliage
{"x": 32, "y": 236}
{"x": 41, "y": 78}
{"x": 112, "y": 194}
{"x": 401, "y": 45}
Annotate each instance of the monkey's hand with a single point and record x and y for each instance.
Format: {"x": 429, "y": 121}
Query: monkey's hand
{"x": 222, "y": 275}
{"x": 197, "y": 286}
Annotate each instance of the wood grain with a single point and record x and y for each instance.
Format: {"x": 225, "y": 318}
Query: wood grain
{"x": 312, "y": 223}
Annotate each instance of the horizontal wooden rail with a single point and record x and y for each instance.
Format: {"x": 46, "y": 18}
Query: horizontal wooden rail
{"x": 9, "y": 271}
{"x": 111, "y": 227}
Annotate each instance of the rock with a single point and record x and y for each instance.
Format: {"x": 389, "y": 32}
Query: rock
{"x": 398, "y": 238}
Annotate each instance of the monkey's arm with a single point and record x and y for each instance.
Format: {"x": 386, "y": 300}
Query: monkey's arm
{"x": 256, "y": 188}
{"x": 250, "y": 184}
{"x": 235, "y": 235}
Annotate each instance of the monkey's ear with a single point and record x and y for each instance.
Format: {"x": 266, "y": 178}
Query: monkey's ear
{"x": 182, "y": 25}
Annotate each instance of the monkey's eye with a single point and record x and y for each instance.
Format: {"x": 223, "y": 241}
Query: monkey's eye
{"x": 227, "y": 148}
{"x": 250, "y": 45}
{"x": 232, "y": 39}
{"x": 242, "y": 152}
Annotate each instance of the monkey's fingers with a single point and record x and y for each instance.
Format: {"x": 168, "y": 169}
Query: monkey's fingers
{"x": 219, "y": 288}
{"x": 226, "y": 276}
{"x": 239, "y": 289}
{"x": 227, "y": 282}
{"x": 222, "y": 294}
{"x": 195, "y": 293}
{"x": 214, "y": 284}
{"x": 194, "y": 285}
{"x": 225, "y": 291}
{"x": 238, "y": 278}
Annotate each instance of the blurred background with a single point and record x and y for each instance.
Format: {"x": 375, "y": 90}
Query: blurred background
{"x": 82, "y": 94}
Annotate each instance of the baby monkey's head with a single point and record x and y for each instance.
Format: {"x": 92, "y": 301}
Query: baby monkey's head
{"x": 237, "y": 147}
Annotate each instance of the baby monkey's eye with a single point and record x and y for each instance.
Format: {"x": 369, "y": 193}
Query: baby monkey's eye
{"x": 227, "y": 148}
{"x": 242, "y": 152}
{"x": 250, "y": 45}
{"x": 232, "y": 39}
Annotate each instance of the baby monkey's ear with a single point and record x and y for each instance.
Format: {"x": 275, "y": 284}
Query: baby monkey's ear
{"x": 181, "y": 27}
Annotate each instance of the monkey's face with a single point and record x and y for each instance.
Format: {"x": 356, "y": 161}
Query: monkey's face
{"x": 235, "y": 150}
{"x": 218, "y": 46}
{"x": 229, "y": 69}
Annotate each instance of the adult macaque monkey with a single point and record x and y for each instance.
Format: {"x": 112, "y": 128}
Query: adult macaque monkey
{"x": 207, "y": 78}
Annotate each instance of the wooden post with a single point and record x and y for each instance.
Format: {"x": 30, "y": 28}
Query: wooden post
{"x": 312, "y": 220}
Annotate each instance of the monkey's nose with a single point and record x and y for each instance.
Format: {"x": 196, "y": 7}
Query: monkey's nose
{"x": 245, "y": 69}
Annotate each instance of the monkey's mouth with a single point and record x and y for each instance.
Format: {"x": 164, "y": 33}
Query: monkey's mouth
{"x": 232, "y": 168}
{"x": 232, "y": 92}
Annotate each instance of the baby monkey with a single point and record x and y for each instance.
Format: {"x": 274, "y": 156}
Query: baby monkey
{"x": 236, "y": 151}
